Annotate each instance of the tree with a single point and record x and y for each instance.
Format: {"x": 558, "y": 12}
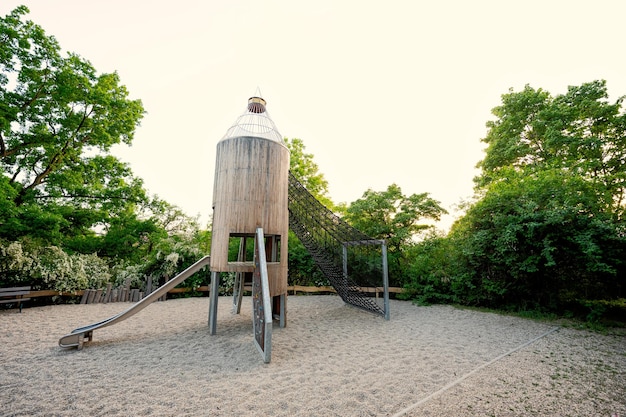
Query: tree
{"x": 578, "y": 132}
{"x": 396, "y": 218}
{"x": 302, "y": 268}
{"x": 535, "y": 242}
{"x": 303, "y": 167}
{"x": 58, "y": 119}
{"x": 392, "y": 216}
{"x": 548, "y": 228}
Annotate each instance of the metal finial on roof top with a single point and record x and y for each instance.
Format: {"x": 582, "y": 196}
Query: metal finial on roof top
{"x": 256, "y": 105}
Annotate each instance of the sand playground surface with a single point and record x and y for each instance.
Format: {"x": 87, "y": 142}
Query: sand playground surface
{"x": 331, "y": 360}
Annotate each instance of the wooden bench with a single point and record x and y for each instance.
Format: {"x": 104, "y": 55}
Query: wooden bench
{"x": 15, "y": 295}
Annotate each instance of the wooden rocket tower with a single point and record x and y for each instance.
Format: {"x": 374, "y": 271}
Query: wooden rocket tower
{"x": 250, "y": 192}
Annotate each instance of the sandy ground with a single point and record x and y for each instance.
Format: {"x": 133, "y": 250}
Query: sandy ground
{"x": 330, "y": 360}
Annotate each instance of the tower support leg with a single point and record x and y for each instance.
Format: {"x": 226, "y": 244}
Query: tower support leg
{"x": 279, "y": 309}
{"x": 215, "y": 283}
{"x": 283, "y": 310}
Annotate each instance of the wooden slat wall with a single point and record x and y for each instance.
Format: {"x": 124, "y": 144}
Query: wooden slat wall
{"x": 250, "y": 191}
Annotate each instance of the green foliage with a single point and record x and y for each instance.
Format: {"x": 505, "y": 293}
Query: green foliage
{"x": 547, "y": 229}
{"x": 227, "y": 283}
{"x": 430, "y": 271}
{"x": 72, "y": 216}
{"x": 169, "y": 255}
{"x": 392, "y": 216}
{"x": 599, "y": 312}
{"x": 533, "y": 240}
{"x": 58, "y": 119}
{"x": 132, "y": 274}
{"x": 579, "y": 133}
{"x": 129, "y": 252}
{"x": 129, "y": 238}
{"x": 302, "y": 268}
{"x": 396, "y": 218}
{"x": 49, "y": 267}
{"x": 301, "y": 164}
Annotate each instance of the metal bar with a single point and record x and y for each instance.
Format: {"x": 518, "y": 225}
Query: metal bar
{"x": 363, "y": 242}
{"x": 261, "y": 300}
{"x": 283, "y": 310}
{"x": 385, "y": 281}
{"x": 215, "y": 282}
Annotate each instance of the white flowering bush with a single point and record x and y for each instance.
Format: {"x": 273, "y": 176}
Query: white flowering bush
{"x": 126, "y": 274}
{"x": 15, "y": 264}
{"x": 168, "y": 263}
{"x": 172, "y": 256}
{"x": 96, "y": 270}
{"x": 49, "y": 267}
{"x": 68, "y": 273}
{"x": 227, "y": 283}
{"x": 55, "y": 268}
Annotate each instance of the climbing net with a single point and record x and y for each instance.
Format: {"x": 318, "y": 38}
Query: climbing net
{"x": 353, "y": 263}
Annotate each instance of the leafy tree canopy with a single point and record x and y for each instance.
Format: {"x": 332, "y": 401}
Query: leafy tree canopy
{"x": 301, "y": 164}
{"x": 71, "y": 214}
{"x": 392, "y": 216}
{"x": 396, "y": 218}
{"x": 547, "y": 230}
{"x": 57, "y": 118}
{"x": 302, "y": 268}
{"x": 579, "y": 132}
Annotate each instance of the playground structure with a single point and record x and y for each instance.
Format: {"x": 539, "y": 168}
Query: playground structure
{"x": 257, "y": 199}
{"x": 250, "y": 201}
{"x": 338, "y": 250}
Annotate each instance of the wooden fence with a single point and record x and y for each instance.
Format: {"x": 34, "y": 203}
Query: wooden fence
{"x": 127, "y": 294}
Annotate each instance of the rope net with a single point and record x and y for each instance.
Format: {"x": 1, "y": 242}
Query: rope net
{"x": 348, "y": 258}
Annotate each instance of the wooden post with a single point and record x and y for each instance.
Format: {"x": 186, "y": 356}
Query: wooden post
{"x": 149, "y": 285}
{"x": 107, "y": 296}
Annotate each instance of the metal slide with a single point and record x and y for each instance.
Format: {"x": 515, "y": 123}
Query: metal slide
{"x": 77, "y": 337}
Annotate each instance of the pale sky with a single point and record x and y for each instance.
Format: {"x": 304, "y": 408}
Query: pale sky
{"x": 379, "y": 92}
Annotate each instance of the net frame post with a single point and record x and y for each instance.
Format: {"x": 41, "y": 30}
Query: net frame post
{"x": 385, "y": 270}
{"x": 385, "y": 280}
{"x": 322, "y": 232}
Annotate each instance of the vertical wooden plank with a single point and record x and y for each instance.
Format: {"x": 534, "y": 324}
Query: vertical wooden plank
{"x": 83, "y": 299}
{"x": 109, "y": 293}
{"x": 149, "y": 285}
